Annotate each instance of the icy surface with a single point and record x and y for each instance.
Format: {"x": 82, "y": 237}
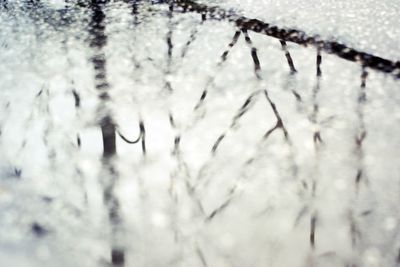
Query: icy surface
{"x": 281, "y": 170}
{"x": 367, "y": 25}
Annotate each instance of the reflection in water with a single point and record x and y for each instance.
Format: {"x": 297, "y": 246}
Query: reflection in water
{"x": 107, "y": 125}
{"x": 231, "y": 169}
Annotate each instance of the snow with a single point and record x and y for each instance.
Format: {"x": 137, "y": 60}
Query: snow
{"x": 249, "y": 202}
{"x": 365, "y": 25}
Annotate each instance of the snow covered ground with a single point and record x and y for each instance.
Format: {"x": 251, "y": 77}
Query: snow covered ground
{"x": 269, "y": 169}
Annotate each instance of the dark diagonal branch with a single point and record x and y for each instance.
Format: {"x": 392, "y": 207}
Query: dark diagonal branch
{"x": 249, "y": 102}
{"x": 192, "y": 37}
{"x": 295, "y": 36}
{"x": 223, "y": 59}
{"x": 254, "y": 56}
{"x": 288, "y": 57}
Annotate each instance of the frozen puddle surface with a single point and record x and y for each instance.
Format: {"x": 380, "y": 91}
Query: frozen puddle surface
{"x": 133, "y": 135}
